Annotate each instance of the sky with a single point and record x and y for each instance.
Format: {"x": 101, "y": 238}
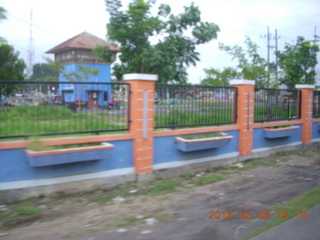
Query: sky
{"x": 55, "y": 21}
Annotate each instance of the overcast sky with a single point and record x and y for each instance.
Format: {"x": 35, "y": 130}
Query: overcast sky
{"x": 55, "y": 21}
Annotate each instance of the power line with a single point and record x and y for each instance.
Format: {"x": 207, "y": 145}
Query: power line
{"x": 276, "y": 37}
{"x": 316, "y": 39}
{"x": 41, "y": 28}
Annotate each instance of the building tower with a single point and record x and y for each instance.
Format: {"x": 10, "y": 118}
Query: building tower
{"x": 78, "y": 51}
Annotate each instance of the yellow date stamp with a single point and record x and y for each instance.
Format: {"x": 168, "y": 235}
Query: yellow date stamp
{"x": 245, "y": 214}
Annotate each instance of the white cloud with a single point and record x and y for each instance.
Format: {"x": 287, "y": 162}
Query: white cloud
{"x": 62, "y": 19}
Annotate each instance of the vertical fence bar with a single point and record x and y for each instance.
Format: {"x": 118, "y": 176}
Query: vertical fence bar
{"x": 276, "y": 104}
{"x": 185, "y": 105}
{"x": 49, "y": 108}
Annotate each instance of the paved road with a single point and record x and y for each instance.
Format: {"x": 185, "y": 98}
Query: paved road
{"x": 295, "y": 228}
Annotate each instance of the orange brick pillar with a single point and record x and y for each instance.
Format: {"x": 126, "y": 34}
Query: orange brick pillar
{"x": 245, "y": 117}
{"x": 306, "y": 111}
{"x": 141, "y": 119}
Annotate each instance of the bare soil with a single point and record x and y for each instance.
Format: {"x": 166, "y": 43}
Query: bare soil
{"x": 183, "y": 214}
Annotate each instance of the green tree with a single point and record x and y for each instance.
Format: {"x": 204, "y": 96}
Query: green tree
{"x": 43, "y": 72}
{"x": 298, "y": 62}
{"x": 11, "y": 69}
{"x": 11, "y": 66}
{"x": 2, "y": 16}
{"x": 55, "y": 66}
{"x": 164, "y": 44}
{"x": 2, "y": 13}
{"x": 103, "y": 53}
{"x": 250, "y": 64}
{"x": 215, "y": 77}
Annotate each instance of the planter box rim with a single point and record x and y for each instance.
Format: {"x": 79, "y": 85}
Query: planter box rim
{"x": 280, "y": 129}
{"x": 223, "y": 137}
{"x": 69, "y": 150}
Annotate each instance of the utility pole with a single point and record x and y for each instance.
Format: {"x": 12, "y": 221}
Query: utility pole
{"x": 30, "y": 48}
{"x": 316, "y": 39}
{"x": 276, "y": 39}
{"x": 268, "y": 36}
{"x": 268, "y": 50}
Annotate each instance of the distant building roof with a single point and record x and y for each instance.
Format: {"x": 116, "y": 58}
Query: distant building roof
{"x": 83, "y": 41}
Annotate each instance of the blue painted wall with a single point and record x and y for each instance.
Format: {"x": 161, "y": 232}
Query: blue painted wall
{"x": 315, "y": 130}
{"x": 72, "y": 91}
{"x": 259, "y": 141}
{"x": 165, "y": 149}
{"x": 14, "y": 165}
{"x": 103, "y": 76}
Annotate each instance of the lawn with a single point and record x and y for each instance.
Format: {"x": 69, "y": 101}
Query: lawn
{"x": 34, "y": 120}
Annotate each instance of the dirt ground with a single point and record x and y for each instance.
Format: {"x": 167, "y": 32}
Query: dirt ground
{"x": 183, "y": 214}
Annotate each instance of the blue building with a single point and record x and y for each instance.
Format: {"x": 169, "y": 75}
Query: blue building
{"x": 78, "y": 51}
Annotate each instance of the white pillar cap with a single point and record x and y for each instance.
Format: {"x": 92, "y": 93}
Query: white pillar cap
{"x": 140, "y": 76}
{"x": 242, "y": 82}
{"x": 305, "y": 86}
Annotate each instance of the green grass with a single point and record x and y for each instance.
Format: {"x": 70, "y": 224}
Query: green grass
{"x": 35, "y": 120}
{"x": 201, "y": 136}
{"x": 36, "y": 145}
{"x": 205, "y": 116}
{"x": 187, "y": 176}
{"x": 28, "y": 211}
{"x": 18, "y": 211}
{"x": 207, "y": 179}
{"x": 277, "y": 112}
{"x": 120, "y": 191}
{"x": 128, "y": 222}
{"x": 298, "y": 204}
{"x": 161, "y": 187}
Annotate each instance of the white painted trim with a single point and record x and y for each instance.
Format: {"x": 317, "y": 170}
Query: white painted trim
{"x": 315, "y": 140}
{"x": 276, "y": 147}
{"x": 59, "y": 180}
{"x": 188, "y": 162}
{"x": 140, "y": 76}
{"x": 242, "y": 82}
{"x": 305, "y": 86}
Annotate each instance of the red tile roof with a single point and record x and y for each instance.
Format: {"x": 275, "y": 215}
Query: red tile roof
{"x": 83, "y": 41}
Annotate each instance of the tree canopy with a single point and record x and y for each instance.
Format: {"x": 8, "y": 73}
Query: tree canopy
{"x": 250, "y": 65}
{"x": 2, "y": 13}
{"x": 298, "y": 62}
{"x": 164, "y": 44}
{"x": 216, "y": 77}
{"x": 43, "y": 72}
{"x": 11, "y": 66}
{"x": 11, "y": 69}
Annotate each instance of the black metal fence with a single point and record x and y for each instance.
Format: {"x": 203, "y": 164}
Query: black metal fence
{"x": 316, "y": 104}
{"x": 276, "y": 104}
{"x": 57, "y": 108}
{"x": 187, "y": 105}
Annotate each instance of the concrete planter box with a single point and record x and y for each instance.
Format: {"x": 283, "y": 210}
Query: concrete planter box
{"x": 280, "y": 132}
{"x": 71, "y": 155}
{"x": 201, "y": 142}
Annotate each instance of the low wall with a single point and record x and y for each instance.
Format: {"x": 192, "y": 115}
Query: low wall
{"x": 143, "y": 152}
{"x": 20, "y": 180}
{"x": 316, "y": 131}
